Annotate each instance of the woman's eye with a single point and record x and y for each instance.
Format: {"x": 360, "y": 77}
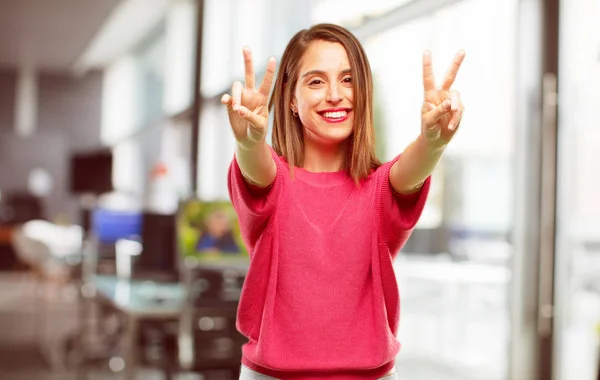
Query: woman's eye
{"x": 347, "y": 80}
{"x": 315, "y": 81}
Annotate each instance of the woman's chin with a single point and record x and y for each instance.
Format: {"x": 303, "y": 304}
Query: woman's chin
{"x": 329, "y": 136}
{"x": 330, "y": 141}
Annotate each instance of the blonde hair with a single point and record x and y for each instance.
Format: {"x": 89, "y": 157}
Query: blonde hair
{"x": 288, "y": 140}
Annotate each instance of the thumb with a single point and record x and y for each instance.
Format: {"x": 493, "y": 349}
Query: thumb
{"x": 257, "y": 121}
{"x": 431, "y": 118}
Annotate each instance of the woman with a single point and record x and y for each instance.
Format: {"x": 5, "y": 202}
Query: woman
{"x": 322, "y": 218}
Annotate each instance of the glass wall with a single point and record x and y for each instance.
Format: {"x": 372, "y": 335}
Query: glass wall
{"x": 151, "y": 66}
{"x": 577, "y": 282}
{"x": 338, "y": 11}
{"x": 144, "y": 90}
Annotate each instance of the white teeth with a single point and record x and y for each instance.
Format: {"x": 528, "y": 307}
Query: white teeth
{"x": 335, "y": 115}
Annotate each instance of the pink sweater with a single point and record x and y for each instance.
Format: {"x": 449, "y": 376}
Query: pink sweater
{"x": 320, "y": 299}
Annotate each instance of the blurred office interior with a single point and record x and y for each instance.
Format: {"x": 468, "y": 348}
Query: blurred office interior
{"x": 114, "y": 150}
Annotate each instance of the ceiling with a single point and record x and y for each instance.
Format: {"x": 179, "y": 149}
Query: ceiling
{"x": 49, "y": 34}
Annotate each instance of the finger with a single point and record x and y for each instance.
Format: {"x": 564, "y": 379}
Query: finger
{"x": 432, "y": 117}
{"x": 455, "y": 99}
{"x": 236, "y": 93}
{"x": 254, "y": 119}
{"x": 267, "y": 82}
{"x": 428, "y": 78}
{"x": 249, "y": 68}
{"x": 456, "y": 117}
{"x": 427, "y": 106}
{"x": 453, "y": 70}
{"x": 227, "y": 101}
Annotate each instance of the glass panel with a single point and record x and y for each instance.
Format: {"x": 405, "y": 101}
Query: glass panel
{"x": 577, "y": 283}
{"x": 128, "y": 174}
{"x": 180, "y": 56}
{"x": 218, "y": 34}
{"x": 454, "y": 272}
{"x": 228, "y": 26}
{"x": 121, "y": 108}
{"x": 338, "y": 11}
{"x": 216, "y": 149}
{"x": 151, "y": 58}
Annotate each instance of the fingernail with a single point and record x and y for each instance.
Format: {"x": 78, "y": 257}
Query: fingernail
{"x": 451, "y": 126}
{"x": 236, "y": 107}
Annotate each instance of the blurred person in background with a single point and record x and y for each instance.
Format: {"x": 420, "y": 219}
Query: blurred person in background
{"x": 217, "y": 235}
{"x": 322, "y": 218}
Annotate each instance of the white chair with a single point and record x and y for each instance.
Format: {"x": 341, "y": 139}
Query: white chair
{"x": 53, "y": 252}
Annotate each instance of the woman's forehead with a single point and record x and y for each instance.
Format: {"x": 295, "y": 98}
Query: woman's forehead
{"x": 324, "y": 56}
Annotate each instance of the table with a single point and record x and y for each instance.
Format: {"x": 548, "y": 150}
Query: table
{"x": 137, "y": 300}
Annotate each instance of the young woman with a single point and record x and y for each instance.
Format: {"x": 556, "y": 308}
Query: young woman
{"x": 322, "y": 218}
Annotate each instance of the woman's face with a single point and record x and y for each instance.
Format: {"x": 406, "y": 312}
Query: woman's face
{"x": 323, "y": 96}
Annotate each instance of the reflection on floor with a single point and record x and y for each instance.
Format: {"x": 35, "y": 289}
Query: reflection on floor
{"x": 431, "y": 332}
{"x": 454, "y": 316}
{"x": 454, "y": 324}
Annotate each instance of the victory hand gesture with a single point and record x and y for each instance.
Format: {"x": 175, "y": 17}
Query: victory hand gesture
{"x": 248, "y": 108}
{"x": 442, "y": 108}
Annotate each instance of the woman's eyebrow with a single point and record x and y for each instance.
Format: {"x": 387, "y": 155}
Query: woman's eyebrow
{"x": 320, "y": 72}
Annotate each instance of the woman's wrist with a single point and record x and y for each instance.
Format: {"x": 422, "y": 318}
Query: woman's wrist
{"x": 250, "y": 144}
{"x": 433, "y": 146}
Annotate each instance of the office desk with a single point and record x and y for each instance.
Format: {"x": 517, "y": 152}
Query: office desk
{"x": 142, "y": 298}
{"x": 137, "y": 300}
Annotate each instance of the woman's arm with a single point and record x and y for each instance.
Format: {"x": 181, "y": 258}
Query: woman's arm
{"x": 416, "y": 163}
{"x": 256, "y": 163}
{"x": 248, "y": 115}
{"x": 440, "y": 117}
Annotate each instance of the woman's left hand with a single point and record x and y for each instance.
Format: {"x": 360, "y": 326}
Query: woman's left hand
{"x": 442, "y": 108}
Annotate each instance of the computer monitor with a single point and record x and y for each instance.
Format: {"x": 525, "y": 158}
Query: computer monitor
{"x": 209, "y": 232}
{"x": 159, "y": 256}
{"x": 91, "y": 172}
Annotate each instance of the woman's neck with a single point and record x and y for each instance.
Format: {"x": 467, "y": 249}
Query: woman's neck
{"x": 324, "y": 158}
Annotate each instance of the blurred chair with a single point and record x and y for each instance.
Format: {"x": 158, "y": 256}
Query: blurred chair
{"x": 47, "y": 247}
{"x": 54, "y": 254}
{"x": 16, "y": 208}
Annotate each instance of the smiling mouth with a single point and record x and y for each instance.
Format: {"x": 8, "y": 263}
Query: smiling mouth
{"x": 335, "y": 116}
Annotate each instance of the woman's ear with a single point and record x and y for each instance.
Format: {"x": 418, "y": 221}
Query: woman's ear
{"x": 293, "y": 106}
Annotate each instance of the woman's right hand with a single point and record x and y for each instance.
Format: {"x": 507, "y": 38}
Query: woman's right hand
{"x": 248, "y": 108}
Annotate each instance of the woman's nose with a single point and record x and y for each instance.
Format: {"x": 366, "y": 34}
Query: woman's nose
{"x": 333, "y": 95}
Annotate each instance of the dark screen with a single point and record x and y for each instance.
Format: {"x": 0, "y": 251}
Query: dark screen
{"x": 159, "y": 244}
{"x": 91, "y": 173}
